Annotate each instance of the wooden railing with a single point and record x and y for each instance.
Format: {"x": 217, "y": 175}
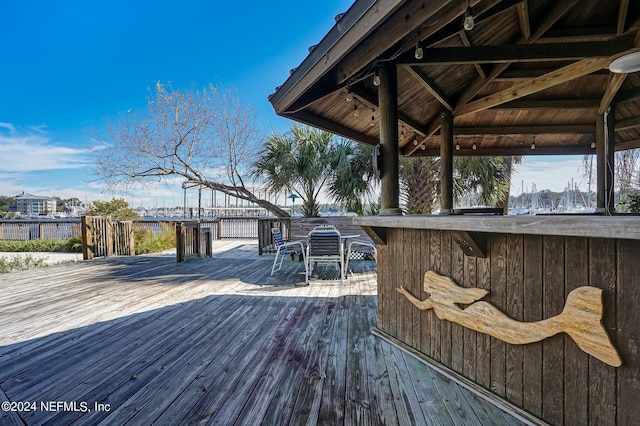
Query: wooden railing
{"x": 102, "y": 236}
{"x": 193, "y": 240}
{"x": 24, "y": 230}
{"x": 265, "y": 240}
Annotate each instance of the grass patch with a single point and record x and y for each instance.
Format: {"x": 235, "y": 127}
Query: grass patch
{"x": 19, "y": 263}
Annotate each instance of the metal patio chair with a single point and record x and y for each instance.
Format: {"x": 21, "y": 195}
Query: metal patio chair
{"x": 325, "y": 246}
{"x": 285, "y": 248}
{"x": 360, "y": 248}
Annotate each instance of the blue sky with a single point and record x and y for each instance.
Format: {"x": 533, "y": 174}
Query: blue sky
{"x": 68, "y": 67}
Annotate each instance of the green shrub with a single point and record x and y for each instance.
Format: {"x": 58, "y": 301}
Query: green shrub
{"x": 33, "y": 245}
{"x": 17, "y": 263}
{"x": 74, "y": 244}
{"x": 146, "y": 242}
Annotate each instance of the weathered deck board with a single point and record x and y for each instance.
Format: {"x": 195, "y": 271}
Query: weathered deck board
{"x": 214, "y": 340}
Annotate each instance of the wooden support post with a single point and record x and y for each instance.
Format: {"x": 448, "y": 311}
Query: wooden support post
{"x": 132, "y": 240}
{"x": 610, "y": 153}
{"x": 180, "y": 242}
{"x": 41, "y": 230}
{"x": 446, "y": 162}
{"x": 605, "y": 144}
{"x": 110, "y": 240}
{"x": 87, "y": 240}
{"x": 388, "y": 102}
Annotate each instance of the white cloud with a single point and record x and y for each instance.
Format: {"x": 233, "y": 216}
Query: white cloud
{"x": 32, "y": 151}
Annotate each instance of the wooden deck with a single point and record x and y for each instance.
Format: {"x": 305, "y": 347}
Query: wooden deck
{"x": 212, "y": 341}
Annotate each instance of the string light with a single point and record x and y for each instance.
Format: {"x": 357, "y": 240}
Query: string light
{"x": 474, "y": 143}
{"x": 457, "y": 145}
{"x": 468, "y": 17}
{"x": 402, "y": 132}
{"x": 533, "y": 144}
{"x": 373, "y": 118}
{"x": 356, "y": 113}
{"x": 415, "y": 139}
{"x": 349, "y": 94}
{"x": 376, "y": 78}
{"x": 419, "y": 54}
{"x": 423, "y": 147}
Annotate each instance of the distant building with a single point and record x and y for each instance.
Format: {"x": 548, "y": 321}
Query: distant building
{"x": 34, "y": 205}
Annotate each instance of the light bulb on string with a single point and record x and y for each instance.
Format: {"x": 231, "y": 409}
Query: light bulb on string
{"x": 376, "y": 78}
{"x": 468, "y": 17}
{"x": 373, "y": 118}
{"x": 419, "y": 53}
{"x": 533, "y": 144}
{"x": 356, "y": 113}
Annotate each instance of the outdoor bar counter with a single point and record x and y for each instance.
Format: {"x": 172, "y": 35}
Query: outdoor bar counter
{"x": 528, "y": 265}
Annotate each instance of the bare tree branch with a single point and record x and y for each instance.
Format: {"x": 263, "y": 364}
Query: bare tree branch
{"x": 194, "y": 134}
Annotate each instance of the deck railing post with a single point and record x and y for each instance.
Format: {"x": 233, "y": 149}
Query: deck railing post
{"x": 179, "y": 242}
{"x": 87, "y": 240}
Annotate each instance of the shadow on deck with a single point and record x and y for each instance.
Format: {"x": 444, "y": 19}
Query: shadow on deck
{"x": 144, "y": 340}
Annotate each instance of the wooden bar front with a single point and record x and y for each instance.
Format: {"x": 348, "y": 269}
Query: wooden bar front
{"x": 530, "y": 266}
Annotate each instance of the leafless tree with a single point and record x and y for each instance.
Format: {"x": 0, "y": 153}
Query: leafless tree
{"x": 206, "y": 136}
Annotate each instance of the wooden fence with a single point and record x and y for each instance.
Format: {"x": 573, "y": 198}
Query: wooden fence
{"x": 193, "y": 239}
{"x": 102, "y": 236}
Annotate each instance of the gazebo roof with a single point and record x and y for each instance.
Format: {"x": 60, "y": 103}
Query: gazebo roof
{"x": 529, "y": 72}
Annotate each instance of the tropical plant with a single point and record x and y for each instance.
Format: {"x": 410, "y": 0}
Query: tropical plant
{"x": 419, "y": 184}
{"x": 305, "y": 160}
{"x": 487, "y": 178}
{"x": 353, "y": 175}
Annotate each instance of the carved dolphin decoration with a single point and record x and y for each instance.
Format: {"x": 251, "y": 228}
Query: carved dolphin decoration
{"x": 581, "y": 317}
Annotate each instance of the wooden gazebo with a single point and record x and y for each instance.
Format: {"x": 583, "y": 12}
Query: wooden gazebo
{"x": 494, "y": 77}
{"x": 528, "y": 74}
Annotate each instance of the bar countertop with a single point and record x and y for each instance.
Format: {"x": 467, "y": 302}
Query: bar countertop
{"x": 624, "y": 227}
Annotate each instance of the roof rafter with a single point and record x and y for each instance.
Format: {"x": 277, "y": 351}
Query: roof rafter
{"x": 564, "y": 74}
{"x": 333, "y": 127}
{"x": 559, "y": 10}
{"x": 615, "y": 81}
{"x": 430, "y": 85}
{"x": 523, "y": 19}
{"x": 518, "y": 53}
{"x": 466, "y": 42}
{"x": 622, "y": 16}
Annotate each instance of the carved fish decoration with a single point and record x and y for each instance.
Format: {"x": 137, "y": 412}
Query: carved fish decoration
{"x": 581, "y": 317}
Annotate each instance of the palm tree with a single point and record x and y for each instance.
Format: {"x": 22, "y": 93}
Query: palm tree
{"x": 298, "y": 161}
{"x": 420, "y": 182}
{"x": 488, "y": 178}
{"x": 352, "y": 174}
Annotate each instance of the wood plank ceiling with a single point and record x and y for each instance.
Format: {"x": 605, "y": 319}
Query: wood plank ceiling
{"x": 531, "y": 73}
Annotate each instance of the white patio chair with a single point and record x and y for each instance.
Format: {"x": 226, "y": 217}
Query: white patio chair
{"x": 284, "y": 248}
{"x": 361, "y": 248}
{"x": 325, "y": 246}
